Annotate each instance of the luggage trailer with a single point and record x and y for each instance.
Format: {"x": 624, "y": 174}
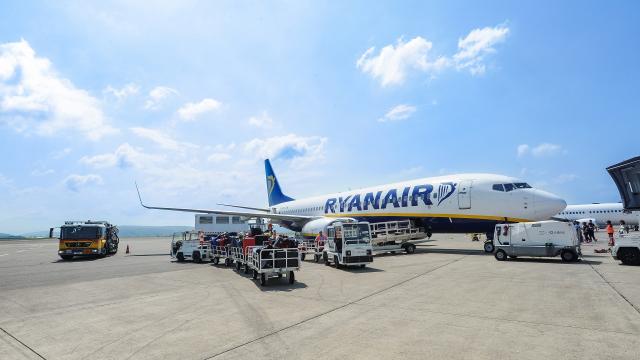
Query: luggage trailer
{"x": 310, "y": 247}
{"x": 266, "y": 263}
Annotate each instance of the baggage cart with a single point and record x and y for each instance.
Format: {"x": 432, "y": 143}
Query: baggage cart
{"x": 268, "y": 263}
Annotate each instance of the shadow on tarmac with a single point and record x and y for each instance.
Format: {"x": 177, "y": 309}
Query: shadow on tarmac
{"x": 79, "y": 259}
{"x": 422, "y": 250}
{"x": 554, "y": 260}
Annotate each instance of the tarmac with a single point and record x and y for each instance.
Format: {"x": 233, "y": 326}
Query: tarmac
{"x": 448, "y": 300}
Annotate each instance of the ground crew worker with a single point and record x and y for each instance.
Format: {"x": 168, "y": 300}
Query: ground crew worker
{"x": 576, "y": 226}
{"x": 320, "y": 240}
{"x": 610, "y": 233}
{"x": 592, "y": 231}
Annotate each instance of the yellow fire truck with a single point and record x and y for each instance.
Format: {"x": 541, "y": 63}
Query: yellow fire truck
{"x": 87, "y": 238}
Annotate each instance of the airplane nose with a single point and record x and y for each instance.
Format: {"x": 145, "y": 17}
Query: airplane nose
{"x": 548, "y": 204}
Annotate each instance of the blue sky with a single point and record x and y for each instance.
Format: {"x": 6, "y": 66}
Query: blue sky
{"x": 188, "y": 97}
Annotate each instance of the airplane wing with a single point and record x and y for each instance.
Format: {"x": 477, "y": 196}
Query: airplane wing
{"x": 245, "y": 207}
{"x": 294, "y": 218}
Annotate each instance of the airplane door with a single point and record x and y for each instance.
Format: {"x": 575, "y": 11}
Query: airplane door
{"x": 464, "y": 194}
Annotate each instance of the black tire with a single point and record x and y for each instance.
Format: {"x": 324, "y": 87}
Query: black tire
{"x": 302, "y": 256}
{"x": 66, "y": 257}
{"x": 316, "y": 258}
{"x": 196, "y": 257}
{"x": 363, "y": 265}
{"x": 180, "y": 257}
{"x": 325, "y": 257}
{"x": 246, "y": 268}
{"x": 335, "y": 261}
{"x": 227, "y": 262}
{"x": 215, "y": 260}
{"x": 238, "y": 265}
{"x": 629, "y": 256}
{"x": 255, "y": 274}
{"x": 263, "y": 279}
{"x": 292, "y": 277}
{"x": 500, "y": 255}
{"x": 489, "y": 247}
{"x": 568, "y": 256}
{"x": 410, "y": 248}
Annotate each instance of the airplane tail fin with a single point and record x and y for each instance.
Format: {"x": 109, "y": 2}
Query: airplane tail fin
{"x": 273, "y": 188}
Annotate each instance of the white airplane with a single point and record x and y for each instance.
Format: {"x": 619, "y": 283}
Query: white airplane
{"x": 600, "y": 214}
{"x": 464, "y": 203}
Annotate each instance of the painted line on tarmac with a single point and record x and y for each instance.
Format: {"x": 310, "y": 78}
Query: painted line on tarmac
{"x": 23, "y": 344}
{"x": 334, "y": 309}
{"x": 616, "y": 290}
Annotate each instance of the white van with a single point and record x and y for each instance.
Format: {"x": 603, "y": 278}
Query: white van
{"x": 541, "y": 239}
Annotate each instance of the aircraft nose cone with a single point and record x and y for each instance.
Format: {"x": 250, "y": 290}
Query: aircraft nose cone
{"x": 548, "y": 204}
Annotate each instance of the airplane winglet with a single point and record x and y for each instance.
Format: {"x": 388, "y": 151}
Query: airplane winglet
{"x": 140, "y": 197}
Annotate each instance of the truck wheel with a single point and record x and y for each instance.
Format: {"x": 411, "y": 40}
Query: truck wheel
{"x": 263, "y": 279}
{"x": 568, "y": 256}
{"x": 215, "y": 260}
{"x": 246, "y": 268}
{"x": 237, "y": 265}
{"x": 196, "y": 257}
{"x": 489, "y": 247}
{"x": 362, "y": 266}
{"x": 316, "y": 258}
{"x": 302, "y": 256}
{"x": 410, "y": 249}
{"x": 335, "y": 261}
{"x": 500, "y": 255}
{"x": 66, "y": 257}
{"x": 227, "y": 262}
{"x": 180, "y": 257}
{"x": 292, "y": 277}
{"x": 325, "y": 257}
{"x": 255, "y": 274}
{"x": 629, "y": 256}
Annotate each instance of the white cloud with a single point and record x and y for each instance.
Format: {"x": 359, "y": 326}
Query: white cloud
{"x": 160, "y": 138}
{"x": 190, "y": 111}
{"x": 34, "y": 97}
{"x": 76, "y": 182}
{"x": 544, "y": 149}
{"x": 4, "y": 181}
{"x": 157, "y": 95}
{"x": 565, "y": 178}
{"x": 300, "y": 150}
{"x": 219, "y": 157}
{"x": 124, "y": 156}
{"x": 42, "y": 172}
{"x": 399, "y": 112}
{"x": 62, "y": 153}
{"x": 523, "y": 149}
{"x": 123, "y": 93}
{"x": 393, "y": 63}
{"x": 478, "y": 43}
{"x": 262, "y": 121}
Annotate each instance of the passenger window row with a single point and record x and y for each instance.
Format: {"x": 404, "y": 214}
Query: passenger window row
{"x": 590, "y": 212}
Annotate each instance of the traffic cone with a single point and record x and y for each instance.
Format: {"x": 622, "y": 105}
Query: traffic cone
{"x": 127, "y": 251}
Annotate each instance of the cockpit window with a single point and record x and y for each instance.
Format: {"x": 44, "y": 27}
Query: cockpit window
{"x": 522, "y": 186}
{"x": 498, "y": 187}
{"x": 509, "y": 187}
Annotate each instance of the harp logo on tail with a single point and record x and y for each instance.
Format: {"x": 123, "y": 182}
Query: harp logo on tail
{"x": 271, "y": 183}
{"x": 445, "y": 190}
